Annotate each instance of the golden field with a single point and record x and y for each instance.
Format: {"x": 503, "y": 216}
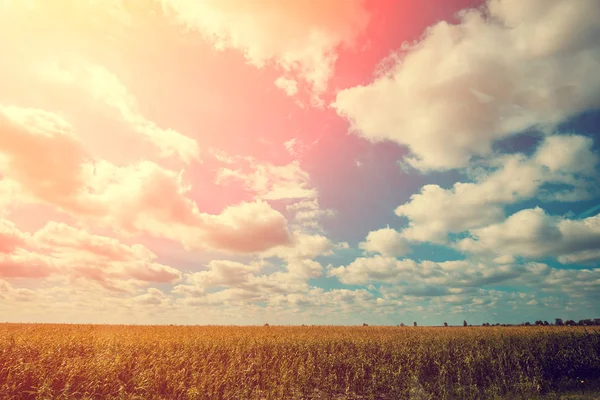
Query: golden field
{"x": 184, "y": 362}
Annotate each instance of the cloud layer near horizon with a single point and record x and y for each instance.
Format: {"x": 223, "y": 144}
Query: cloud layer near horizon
{"x": 171, "y": 161}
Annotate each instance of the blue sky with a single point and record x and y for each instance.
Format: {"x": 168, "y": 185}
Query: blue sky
{"x": 243, "y": 162}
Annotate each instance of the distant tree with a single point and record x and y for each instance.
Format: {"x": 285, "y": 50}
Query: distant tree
{"x": 570, "y": 322}
{"x": 539, "y": 322}
{"x": 596, "y": 321}
{"x": 586, "y": 322}
{"x": 546, "y": 323}
{"x": 527, "y": 323}
{"x": 465, "y": 323}
{"x": 558, "y": 322}
{"x": 266, "y": 324}
{"x": 401, "y": 323}
{"x": 415, "y": 323}
{"x": 445, "y": 324}
{"x": 365, "y": 324}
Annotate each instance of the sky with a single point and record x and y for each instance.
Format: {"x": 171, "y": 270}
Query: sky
{"x": 299, "y": 162}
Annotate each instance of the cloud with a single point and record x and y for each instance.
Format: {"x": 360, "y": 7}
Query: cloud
{"x": 10, "y": 237}
{"x": 308, "y": 214}
{"x": 152, "y": 297}
{"x": 330, "y": 302}
{"x": 246, "y": 227}
{"x": 297, "y": 148}
{"x": 10, "y": 196}
{"x": 286, "y": 182}
{"x": 403, "y": 279}
{"x": 244, "y": 283}
{"x": 289, "y": 86}
{"x": 305, "y": 268}
{"x": 20, "y": 263}
{"x": 149, "y": 198}
{"x": 10, "y": 293}
{"x": 223, "y": 273}
{"x": 43, "y": 156}
{"x": 568, "y": 160}
{"x": 62, "y": 237}
{"x": 534, "y": 234}
{"x": 270, "y": 182}
{"x": 502, "y": 69}
{"x": 387, "y": 242}
{"x": 441, "y": 276}
{"x": 59, "y": 249}
{"x": 362, "y": 270}
{"x": 300, "y": 38}
{"x": 304, "y": 246}
{"x": 237, "y": 283}
{"x": 106, "y": 87}
{"x": 40, "y": 151}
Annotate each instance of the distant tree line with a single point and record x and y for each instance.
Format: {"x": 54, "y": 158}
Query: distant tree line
{"x": 557, "y": 322}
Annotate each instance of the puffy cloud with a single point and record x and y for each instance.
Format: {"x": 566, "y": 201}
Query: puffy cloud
{"x": 308, "y": 214}
{"x": 287, "y": 182}
{"x": 62, "y": 236}
{"x": 305, "y": 268}
{"x": 149, "y": 198}
{"x": 463, "y": 280}
{"x": 271, "y": 182}
{"x": 435, "y": 211}
{"x": 10, "y": 237}
{"x": 59, "y": 249}
{"x": 301, "y": 38}
{"x": 246, "y": 227}
{"x": 318, "y": 302}
{"x": 289, "y": 86}
{"x": 436, "y": 277}
{"x": 21, "y": 263}
{"x": 502, "y": 69}
{"x": 152, "y": 297}
{"x": 43, "y": 156}
{"x": 139, "y": 197}
{"x": 567, "y": 155}
{"x": 223, "y": 273}
{"x": 568, "y": 160}
{"x": 376, "y": 268}
{"x": 10, "y": 293}
{"x": 237, "y": 283}
{"x": 534, "y": 234}
{"x": 244, "y": 283}
{"x": 299, "y": 254}
{"x": 387, "y": 242}
{"x": 304, "y": 246}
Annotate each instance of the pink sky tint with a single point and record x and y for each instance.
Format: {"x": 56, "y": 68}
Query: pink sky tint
{"x": 201, "y": 160}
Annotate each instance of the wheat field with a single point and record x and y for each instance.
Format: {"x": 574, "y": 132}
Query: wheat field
{"x": 321, "y": 362}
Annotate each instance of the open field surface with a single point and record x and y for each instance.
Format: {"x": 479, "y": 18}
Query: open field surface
{"x": 177, "y": 362}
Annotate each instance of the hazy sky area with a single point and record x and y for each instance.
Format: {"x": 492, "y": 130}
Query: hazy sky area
{"x": 299, "y": 162}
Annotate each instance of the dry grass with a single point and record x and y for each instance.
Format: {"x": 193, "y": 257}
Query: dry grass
{"x": 127, "y": 362}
